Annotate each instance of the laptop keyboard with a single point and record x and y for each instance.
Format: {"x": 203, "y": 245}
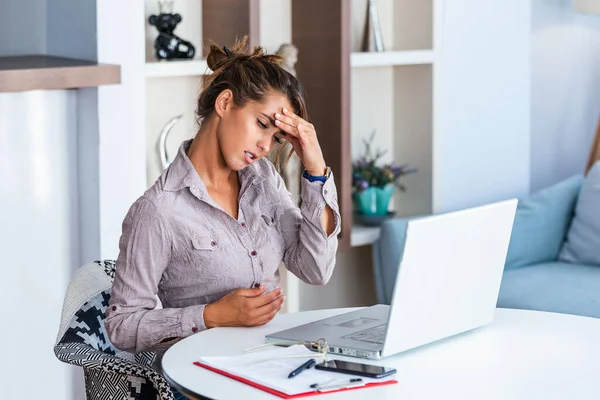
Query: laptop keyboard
{"x": 371, "y": 335}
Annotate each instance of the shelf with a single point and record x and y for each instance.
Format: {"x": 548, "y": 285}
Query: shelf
{"x": 391, "y": 58}
{"x": 170, "y": 69}
{"x": 18, "y": 74}
{"x": 364, "y": 235}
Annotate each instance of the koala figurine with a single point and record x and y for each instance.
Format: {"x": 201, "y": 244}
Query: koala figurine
{"x": 169, "y": 46}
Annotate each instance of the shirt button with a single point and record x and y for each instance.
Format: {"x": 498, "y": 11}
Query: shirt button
{"x": 114, "y": 308}
{"x": 257, "y": 285}
{"x": 253, "y": 253}
{"x": 194, "y": 329}
{"x": 213, "y": 243}
{"x": 243, "y": 224}
{"x": 325, "y": 191}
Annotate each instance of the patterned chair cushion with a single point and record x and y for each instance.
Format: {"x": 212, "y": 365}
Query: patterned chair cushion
{"x": 109, "y": 373}
{"x": 88, "y": 325}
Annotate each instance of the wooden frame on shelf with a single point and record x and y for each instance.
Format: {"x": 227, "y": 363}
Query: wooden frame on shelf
{"x": 320, "y": 31}
{"x": 224, "y": 21}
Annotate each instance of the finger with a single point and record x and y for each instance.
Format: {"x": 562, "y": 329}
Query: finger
{"x": 291, "y": 121}
{"x": 265, "y": 299}
{"x": 270, "y": 307}
{"x": 296, "y": 126}
{"x": 262, "y": 311}
{"x": 289, "y": 113}
{"x": 268, "y": 317}
{"x": 287, "y": 128}
{"x": 299, "y": 132}
{"x": 254, "y": 292}
{"x": 264, "y": 321}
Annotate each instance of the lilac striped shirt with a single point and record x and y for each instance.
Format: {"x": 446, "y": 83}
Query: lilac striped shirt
{"x": 177, "y": 243}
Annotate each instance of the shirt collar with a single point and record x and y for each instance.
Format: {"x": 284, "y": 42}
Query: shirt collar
{"x": 182, "y": 174}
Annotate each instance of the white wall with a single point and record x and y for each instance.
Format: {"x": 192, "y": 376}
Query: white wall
{"x": 565, "y": 103}
{"x": 275, "y": 25}
{"x": 481, "y": 146}
{"x": 121, "y": 117}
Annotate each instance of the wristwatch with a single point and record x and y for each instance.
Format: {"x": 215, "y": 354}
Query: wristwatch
{"x": 312, "y": 178}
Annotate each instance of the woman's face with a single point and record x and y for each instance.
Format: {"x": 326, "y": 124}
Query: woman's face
{"x": 248, "y": 133}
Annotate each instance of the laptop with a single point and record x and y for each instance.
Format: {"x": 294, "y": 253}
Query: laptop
{"x": 447, "y": 283}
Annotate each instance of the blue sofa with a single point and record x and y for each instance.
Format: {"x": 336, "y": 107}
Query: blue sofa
{"x": 534, "y": 278}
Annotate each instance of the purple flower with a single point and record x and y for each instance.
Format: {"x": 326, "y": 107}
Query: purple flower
{"x": 367, "y": 173}
{"x": 361, "y": 163}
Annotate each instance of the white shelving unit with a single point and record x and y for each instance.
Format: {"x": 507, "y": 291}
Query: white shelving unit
{"x": 171, "y": 87}
{"x": 171, "y": 69}
{"x": 364, "y": 235}
{"x": 392, "y": 94}
{"x": 391, "y": 58}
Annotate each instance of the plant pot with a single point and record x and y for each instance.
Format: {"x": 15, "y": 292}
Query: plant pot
{"x": 372, "y": 220}
{"x": 374, "y": 200}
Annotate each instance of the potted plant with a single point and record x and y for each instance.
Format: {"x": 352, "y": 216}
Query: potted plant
{"x": 373, "y": 184}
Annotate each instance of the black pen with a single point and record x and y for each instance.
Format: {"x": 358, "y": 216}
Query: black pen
{"x": 309, "y": 364}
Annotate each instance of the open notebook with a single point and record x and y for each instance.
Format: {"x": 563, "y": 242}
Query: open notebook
{"x": 266, "y": 370}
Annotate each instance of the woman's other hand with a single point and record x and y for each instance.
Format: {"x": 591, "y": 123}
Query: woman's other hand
{"x": 303, "y": 137}
{"x": 244, "y": 307}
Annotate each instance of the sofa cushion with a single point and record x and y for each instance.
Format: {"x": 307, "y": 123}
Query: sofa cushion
{"x": 556, "y": 287}
{"x": 583, "y": 238}
{"x": 541, "y": 224}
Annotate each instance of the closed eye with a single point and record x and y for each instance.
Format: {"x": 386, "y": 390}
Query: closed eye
{"x": 261, "y": 124}
{"x": 265, "y": 126}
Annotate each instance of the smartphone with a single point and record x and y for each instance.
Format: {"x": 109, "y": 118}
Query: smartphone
{"x": 354, "y": 368}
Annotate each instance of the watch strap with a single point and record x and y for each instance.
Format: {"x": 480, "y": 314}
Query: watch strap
{"x": 313, "y": 178}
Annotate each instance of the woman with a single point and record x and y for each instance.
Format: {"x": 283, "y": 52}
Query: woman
{"x": 209, "y": 235}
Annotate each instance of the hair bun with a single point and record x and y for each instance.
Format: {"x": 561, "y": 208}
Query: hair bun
{"x": 216, "y": 57}
{"x": 221, "y": 56}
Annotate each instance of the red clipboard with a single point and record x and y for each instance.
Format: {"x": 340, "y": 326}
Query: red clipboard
{"x": 288, "y": 396}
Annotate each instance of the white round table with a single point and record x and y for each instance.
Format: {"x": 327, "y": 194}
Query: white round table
{"x": 521, "y": 355}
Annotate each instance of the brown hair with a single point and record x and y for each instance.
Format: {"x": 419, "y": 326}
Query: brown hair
{"x": 250, "y": 76}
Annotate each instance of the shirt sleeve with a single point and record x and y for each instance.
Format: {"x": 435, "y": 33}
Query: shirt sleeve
{"x": 309, "y": 251}
{"x": 132, "y": 322}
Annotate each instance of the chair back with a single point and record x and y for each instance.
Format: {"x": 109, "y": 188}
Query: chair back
{"x": 82, "y": 340}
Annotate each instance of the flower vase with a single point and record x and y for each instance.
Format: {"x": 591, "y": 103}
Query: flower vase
{"x": 374, "y": 201}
